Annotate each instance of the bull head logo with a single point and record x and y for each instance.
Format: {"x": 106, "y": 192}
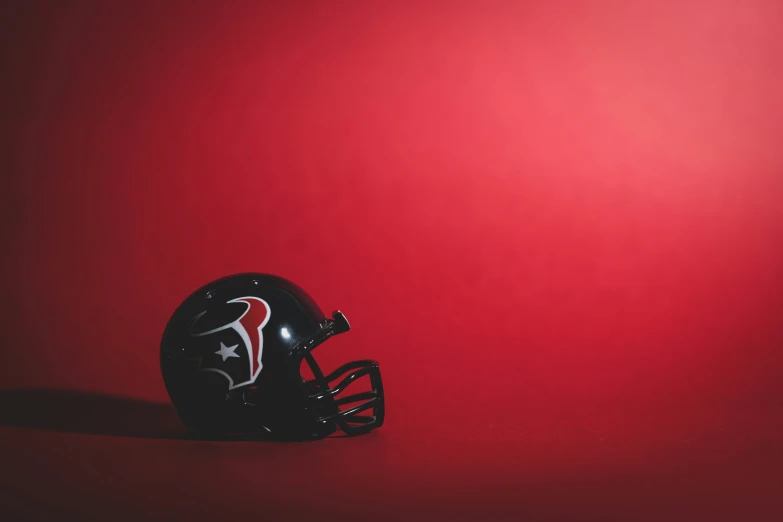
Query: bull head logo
{"x": 239, "y": 342}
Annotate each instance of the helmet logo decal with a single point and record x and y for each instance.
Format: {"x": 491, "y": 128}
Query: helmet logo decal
{"x": 249, "y": 327}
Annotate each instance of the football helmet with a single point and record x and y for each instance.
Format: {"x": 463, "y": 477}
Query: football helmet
{"x": 232, "y": 357}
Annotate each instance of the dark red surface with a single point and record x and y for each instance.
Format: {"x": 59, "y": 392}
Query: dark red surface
{"x": 558, "y": 226}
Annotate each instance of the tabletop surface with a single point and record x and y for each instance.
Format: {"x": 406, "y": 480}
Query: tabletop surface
{"x": 92, "y": 457}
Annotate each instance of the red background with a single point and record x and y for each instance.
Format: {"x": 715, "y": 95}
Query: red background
{"x": 558, "y": 226}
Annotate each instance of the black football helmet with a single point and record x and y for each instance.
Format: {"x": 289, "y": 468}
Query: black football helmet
{"x": 231, "y": 358}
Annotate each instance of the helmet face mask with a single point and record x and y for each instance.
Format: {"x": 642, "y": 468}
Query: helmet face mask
{"x": 231, "y": 359}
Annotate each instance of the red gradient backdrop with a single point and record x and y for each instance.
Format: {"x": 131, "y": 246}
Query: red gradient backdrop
{"x": 558, "y": 226}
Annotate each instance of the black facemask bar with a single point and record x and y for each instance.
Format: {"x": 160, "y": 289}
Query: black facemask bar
{"x": 326, "y": 390}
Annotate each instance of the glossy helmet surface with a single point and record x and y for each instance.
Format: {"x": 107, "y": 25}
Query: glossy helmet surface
{"x": 231, "y": 358}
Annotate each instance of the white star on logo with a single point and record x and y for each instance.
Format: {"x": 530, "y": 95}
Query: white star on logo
{"x": 227, "y": 351}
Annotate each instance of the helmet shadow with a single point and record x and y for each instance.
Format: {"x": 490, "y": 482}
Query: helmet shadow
{"x": 90, "y": 413}
{"x": 71, "y": 411}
